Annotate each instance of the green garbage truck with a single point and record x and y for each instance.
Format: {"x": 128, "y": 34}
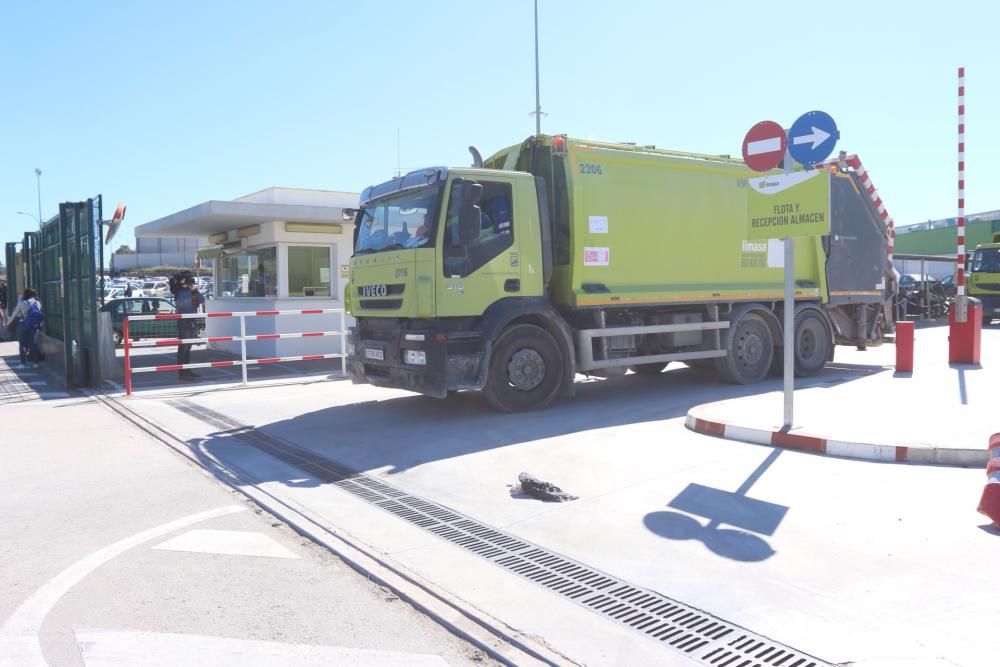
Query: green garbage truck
{"x": 560, "y": 256}
{"x": 984, "y": 277}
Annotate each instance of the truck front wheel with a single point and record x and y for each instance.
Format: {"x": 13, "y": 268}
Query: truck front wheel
{"x": 749, "y": 351}
{"x": 525, "y": 370}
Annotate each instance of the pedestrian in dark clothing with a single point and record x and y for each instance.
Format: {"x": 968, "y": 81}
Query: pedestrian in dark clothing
{"x": 187, "y": 300}
{"x": 29, "y": 318}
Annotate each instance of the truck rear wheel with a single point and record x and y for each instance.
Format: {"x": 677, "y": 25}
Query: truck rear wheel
{"x": 749, "y": 351}
{"x": 525, "y": 370}
{"x": 812, "y": 343}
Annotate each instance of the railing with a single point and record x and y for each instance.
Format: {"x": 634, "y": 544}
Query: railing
{"x": 242, "y": 339}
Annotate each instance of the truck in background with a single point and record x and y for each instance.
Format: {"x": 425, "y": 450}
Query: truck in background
{"x": 984, "y": 277}
{"x": 559, "y": 256}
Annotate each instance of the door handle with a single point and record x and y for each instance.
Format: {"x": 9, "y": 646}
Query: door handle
{"x": 512, "y": 285}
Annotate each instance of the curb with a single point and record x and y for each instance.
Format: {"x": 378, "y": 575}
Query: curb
{"x": 802, "y": 441}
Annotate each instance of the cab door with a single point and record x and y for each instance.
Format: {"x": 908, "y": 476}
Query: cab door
{"x": 474, "y": 273}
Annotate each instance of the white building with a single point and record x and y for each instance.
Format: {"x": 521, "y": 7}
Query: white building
{"x": 277, "y": 249}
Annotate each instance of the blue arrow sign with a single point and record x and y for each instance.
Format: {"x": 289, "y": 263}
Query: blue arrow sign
{"x": 812, "y": 138}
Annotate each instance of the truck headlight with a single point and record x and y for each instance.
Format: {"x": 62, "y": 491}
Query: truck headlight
{"x": 350, "y": 349}
{"x": 415, "y": 357}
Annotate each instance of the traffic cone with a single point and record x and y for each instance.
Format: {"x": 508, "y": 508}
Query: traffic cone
{"x": 989, "y": 503}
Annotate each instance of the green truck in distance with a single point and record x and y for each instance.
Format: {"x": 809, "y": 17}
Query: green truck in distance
{"x": 984, "y": 277}
{"x": 559, "y": 256}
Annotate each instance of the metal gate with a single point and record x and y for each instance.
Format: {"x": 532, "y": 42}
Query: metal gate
{"x": 62, "y": 262}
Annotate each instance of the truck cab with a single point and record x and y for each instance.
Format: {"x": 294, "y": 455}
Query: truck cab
{"x": 984, "y": 278}
{"x": 440, "y": 257}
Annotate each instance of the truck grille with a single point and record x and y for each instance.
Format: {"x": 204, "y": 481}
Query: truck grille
{"x": 381, "y": 304}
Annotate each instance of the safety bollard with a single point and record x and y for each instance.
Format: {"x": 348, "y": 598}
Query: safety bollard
{"x": 965, "y": 338}
{"x": 989, "y": 503}
{"x": 904, "y": 347}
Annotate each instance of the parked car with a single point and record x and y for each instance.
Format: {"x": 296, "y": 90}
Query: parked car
{"x": 155, "y": 288}
{"x": 143, "y": 328}
{"x": 112, "y": 293}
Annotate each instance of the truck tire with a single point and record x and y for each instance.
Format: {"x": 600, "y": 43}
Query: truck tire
{"x": 525, "y": 370}
{"x": 649, "y": 369}
{"x": 812, "y": 343}
{"x": 748, "y": 352}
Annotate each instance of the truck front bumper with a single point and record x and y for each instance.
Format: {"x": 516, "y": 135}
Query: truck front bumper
{"x": 379, "y": 357}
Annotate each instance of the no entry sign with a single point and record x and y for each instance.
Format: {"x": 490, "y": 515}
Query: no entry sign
{"x": 764, "y": 146}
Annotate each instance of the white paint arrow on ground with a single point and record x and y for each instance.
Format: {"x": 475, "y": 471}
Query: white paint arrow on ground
{"x": 771, "y": 145}
{"x": 817, "y": 137}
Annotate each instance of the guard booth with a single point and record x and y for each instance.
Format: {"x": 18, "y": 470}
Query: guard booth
{"x": 62, "y": 263}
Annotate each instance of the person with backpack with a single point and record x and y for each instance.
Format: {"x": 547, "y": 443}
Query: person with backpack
{"x": 29, "y": 318}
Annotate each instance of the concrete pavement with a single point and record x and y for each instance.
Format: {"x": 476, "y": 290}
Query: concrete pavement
{"x": 940, "y": 413}
{"x": 844, "y": 560}
{"x": 117, "y": 551}
{"x": 847, "y": 561}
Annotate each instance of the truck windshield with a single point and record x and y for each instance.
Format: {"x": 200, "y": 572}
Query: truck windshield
{"x": 398, "y": 221}
{"x": 986, "y": 260}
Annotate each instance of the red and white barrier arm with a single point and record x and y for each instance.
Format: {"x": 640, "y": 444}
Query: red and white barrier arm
{"x": 166, "y": 342}
{"x": 237, "y": 362}
{"x": 247, "y": 313}
{"x": 169, "y": 342}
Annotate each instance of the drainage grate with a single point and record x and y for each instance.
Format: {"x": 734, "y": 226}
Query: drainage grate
{"x": 700, "y": 636}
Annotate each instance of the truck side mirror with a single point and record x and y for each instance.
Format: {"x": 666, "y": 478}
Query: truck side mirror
{"x": 469, "y": 222}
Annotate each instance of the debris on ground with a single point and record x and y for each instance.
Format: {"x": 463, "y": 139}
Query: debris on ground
{"x": 536, "y": 488}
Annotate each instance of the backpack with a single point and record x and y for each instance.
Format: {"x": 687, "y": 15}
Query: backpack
{"x": 35, "y": 316}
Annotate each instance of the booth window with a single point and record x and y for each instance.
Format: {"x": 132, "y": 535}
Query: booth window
{"x": 249, "y": 273}
{"x": 309, "y": 271}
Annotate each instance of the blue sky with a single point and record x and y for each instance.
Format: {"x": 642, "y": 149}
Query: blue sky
{"x": 165, "y": 105}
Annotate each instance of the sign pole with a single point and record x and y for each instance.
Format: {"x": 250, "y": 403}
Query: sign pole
{"x": 789, "y": 326}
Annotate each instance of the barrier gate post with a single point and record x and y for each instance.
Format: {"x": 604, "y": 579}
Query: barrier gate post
{"x": 243, "y": 346}
{"x": 128, "y": 366}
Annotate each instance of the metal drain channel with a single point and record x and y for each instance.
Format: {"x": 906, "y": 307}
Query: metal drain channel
{"x": 697, "y": 634}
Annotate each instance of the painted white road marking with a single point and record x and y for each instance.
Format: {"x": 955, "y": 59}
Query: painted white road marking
{"x": 771, "y": 145}
{"x": 227, "y": 542}
{"x": 101, "y": 648}
{"x": 19, "y": 643}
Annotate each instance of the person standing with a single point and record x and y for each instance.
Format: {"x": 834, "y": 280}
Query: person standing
{"x": 187, "y": 300}
{"x": 29, "y": 317}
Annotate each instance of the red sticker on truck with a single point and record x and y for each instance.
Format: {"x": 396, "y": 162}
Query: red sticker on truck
{"x": 596, "y": 256}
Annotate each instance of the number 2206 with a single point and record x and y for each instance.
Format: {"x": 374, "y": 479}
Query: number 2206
{"x": 587, "y": 168}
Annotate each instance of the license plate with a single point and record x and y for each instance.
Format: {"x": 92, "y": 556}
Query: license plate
{"x": 374, "y": 353}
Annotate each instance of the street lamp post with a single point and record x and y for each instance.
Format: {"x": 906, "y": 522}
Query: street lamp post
{"x": 33, "y": 217}
{"x": 537, "y": 113}
{"x": 38, "y": 182}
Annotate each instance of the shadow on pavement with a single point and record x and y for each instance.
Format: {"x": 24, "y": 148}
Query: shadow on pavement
{"x": 748, "y": 516}
{"x": 406, "y": 432}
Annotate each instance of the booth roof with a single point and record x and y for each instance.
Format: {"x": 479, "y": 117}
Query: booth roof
{"x": 216, "y": 216}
